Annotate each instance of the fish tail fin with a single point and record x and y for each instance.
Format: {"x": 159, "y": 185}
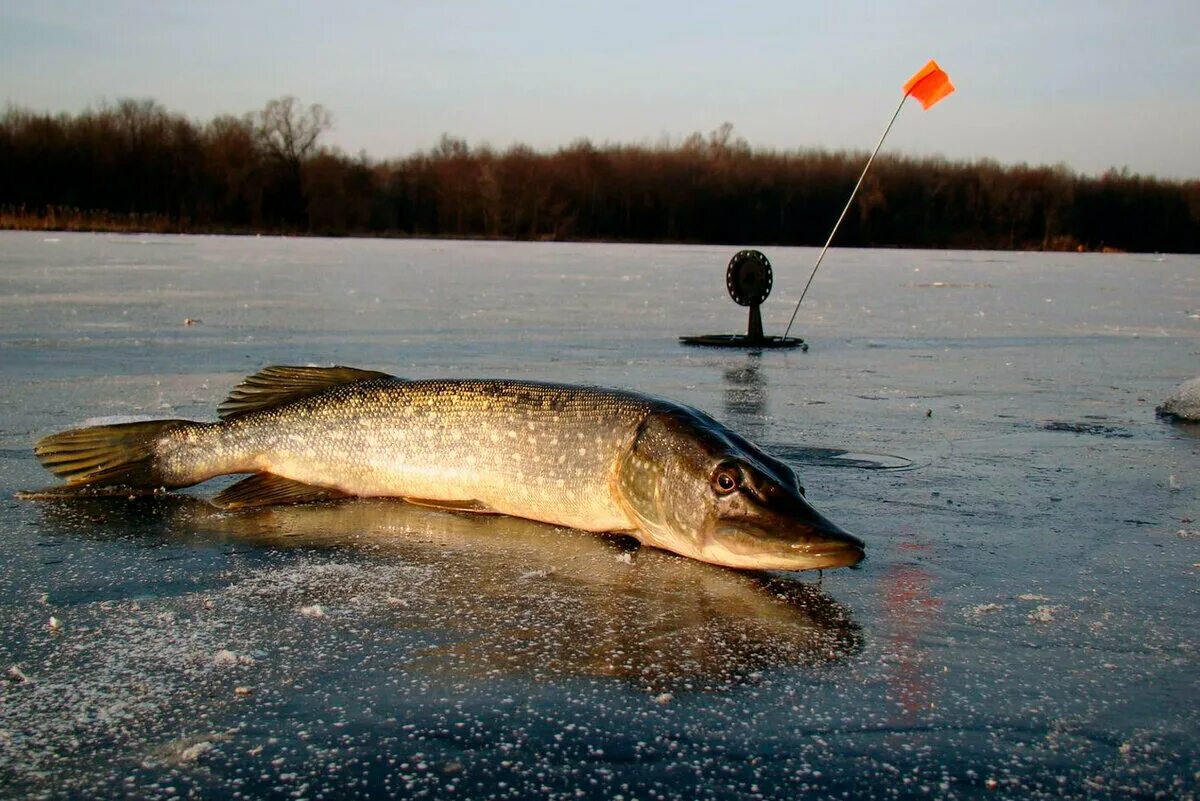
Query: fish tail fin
{"x": 101, "y": 459}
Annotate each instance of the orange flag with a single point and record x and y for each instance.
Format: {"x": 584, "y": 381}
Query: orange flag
{"x": 929, "y": 85}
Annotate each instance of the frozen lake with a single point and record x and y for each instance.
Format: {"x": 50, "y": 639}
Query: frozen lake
{"x": 1025, "y": 623}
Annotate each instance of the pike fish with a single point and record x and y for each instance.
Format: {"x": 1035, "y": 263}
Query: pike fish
{"x": 600, "y": 460}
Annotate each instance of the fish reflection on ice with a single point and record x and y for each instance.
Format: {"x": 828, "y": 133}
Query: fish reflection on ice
{"x": 746, "y": 394}
{"x": 518, "y": 596}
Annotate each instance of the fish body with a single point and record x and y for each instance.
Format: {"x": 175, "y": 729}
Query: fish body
{"x": 595, "y": 459}
{"x": 540, "y": 451}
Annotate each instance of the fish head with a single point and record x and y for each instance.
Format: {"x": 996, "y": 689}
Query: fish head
{"x": 696, "y": 488}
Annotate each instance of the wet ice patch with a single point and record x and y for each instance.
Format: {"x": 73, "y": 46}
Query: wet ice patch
{"x": 805, "y": 457}
{"x": 1095, "y": 429}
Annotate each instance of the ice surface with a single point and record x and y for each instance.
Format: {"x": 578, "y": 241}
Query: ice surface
{"x": 1024, "y": 625}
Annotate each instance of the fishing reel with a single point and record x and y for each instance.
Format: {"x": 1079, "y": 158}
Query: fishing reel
{"x": 748, "y": 279}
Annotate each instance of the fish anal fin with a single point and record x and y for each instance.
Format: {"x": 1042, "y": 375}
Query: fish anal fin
{"x": 268, "y": 489}
{"x": 279, "y": 384}
{"x": 475, "y": 507}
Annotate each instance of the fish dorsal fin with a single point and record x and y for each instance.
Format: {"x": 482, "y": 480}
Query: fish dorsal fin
{"x": 268, "y": 489}
{"x": 278, "y": 384}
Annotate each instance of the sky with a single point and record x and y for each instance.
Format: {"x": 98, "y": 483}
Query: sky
{"x": 1090, "y": 85}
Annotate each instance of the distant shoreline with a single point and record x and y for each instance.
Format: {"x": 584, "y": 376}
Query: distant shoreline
{"x": 107, "y": 226}
{"x": 135, "y": 167}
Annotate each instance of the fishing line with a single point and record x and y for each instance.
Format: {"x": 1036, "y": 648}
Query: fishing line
{"x": 842, "y": 216}
{"x": 929, "y": 85}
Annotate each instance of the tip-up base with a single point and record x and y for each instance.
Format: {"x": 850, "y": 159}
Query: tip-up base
{"x": 744, "y": 341}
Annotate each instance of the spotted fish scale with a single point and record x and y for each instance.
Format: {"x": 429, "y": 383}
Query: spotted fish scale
{"x": 522, "y": 448}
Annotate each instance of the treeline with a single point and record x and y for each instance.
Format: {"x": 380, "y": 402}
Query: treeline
{"x": 136, "y": 166}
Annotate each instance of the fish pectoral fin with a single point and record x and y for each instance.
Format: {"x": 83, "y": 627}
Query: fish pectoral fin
{"x": 268, "y": 489}
{"x": 279, "y": 384}
{"x": 475, "y": 507}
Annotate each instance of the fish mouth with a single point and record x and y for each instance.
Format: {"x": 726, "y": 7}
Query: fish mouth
{"x": 845, "y": 554}
{"x": 828, "y": 545}
{"x": 743, "y": 547}
{"x": 783, "y": 542}
{"x": 833, "y": 545}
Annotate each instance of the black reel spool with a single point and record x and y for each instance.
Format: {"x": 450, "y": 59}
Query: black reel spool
{"x": 748, "y": 279}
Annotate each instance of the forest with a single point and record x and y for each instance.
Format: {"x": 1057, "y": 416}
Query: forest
{"x": 135, "y": 166}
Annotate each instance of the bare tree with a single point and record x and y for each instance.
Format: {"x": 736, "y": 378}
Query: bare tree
{"x": 289, "y": 131}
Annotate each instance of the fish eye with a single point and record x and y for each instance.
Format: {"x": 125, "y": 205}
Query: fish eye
{"x": 726, "y": 479}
